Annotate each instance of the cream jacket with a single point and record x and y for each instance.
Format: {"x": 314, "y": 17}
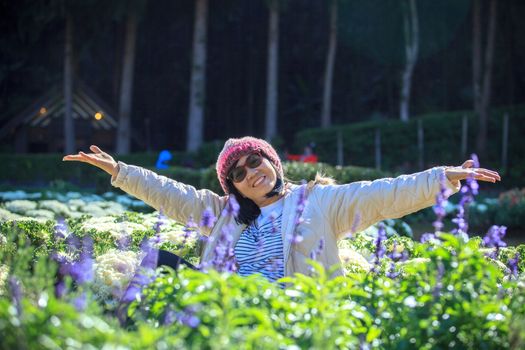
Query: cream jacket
{"x": 330, "y": 213}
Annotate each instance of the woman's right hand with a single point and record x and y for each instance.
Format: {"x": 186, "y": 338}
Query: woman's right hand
{"x": 98, "y": 158}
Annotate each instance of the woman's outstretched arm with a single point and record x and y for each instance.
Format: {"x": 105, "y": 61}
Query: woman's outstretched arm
{"x": 360, "y": 204}
{"x": 176, "y": 200}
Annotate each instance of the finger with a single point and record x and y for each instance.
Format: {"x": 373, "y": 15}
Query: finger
{"x": 467, "y": 164}
{"x": 490, "y": 173}
{"x": 486, "y": 178}
{"x": 74, "y": 157}
{"x": 100, "y": 152}
{"x": 95, "y": 149}
{"x": 90, "y": 158}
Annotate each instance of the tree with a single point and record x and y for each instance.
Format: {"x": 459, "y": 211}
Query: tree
{"x": 272, "y": 70}
{"x": 69, "y": 127}
{"x": 411, "y": 33}
{"x": 195, "y": 130}
{"x": 326, "y": 111}
{"x": 482, "y": 68}
{"x": 126, "y": 85}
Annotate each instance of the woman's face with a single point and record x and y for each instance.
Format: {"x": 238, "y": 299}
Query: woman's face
{"x": 257, "y": 182}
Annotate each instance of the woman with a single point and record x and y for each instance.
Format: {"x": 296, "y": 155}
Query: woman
{"x": 267, "y": 236}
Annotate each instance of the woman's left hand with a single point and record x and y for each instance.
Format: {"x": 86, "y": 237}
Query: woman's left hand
{"x": 455, "y": 174}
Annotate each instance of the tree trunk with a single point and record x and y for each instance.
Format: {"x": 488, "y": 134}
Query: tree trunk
{"x": 326, "y": 112}
{"x": 195, "y": 131}
{"x": 69, "y": 127}
{"x": 126, "y": 87}
{"x": 486, "y": 87}
{"x": 271, "y": 81}
{"x": 476, "y": 55}
{"x": 411, "y": 29}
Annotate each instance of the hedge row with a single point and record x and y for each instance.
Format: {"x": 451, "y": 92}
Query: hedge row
{"x": 442, "y": 145}
{"x": 49, "y": 170}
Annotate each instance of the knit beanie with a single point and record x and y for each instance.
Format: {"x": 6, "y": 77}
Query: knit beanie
{"x": 234, "y": 149}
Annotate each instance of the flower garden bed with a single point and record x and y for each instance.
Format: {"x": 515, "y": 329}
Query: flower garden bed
{"x": 87, "y": 282}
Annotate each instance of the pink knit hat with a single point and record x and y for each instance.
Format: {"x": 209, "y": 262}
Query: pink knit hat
{"x": 234, "y": 149}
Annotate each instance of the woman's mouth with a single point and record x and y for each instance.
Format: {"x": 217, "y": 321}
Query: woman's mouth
{"x": 259, "y": 181}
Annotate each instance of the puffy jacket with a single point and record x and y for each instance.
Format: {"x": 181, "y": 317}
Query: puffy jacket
{"x": 330, "y": 211}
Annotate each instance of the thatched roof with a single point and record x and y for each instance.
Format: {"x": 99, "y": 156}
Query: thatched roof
{"x": 86, "y": 103}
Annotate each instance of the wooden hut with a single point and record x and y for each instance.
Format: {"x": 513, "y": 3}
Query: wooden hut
{"x": 40, "y": 127}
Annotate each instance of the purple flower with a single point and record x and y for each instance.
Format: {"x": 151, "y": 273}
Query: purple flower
{"x": 124, "y": 242}
{"x": 381, "y": 236}
{"x": 439, "y": 277}
{"x": 493, "y": 239}
{"x": 426, "y": 237}
{"x": 302, "y": 201}
{"x": 188, "y": 318}
{"x": 512, "y": 264}
{"x": 380, "y": 249}
{"x": 397, "y": 255}
{"x": 208, "y": 219}
{"x": 161, "y": 219}
{"x": 169, "y": 316}
{"x": 316, "y": 252}
{"x": 80, "y": 302}
{"x": 16, "y": 293}
{"x": 73, "y": 243}
{"x": 392, "y": 273}
{"x": 441, "y": 203}
{"x": 60, "y": 289}
{"x": 61, "y": 231}
{"x": 232, "y": 207}
{"x": 145, "y": 273}
{"x": 224, "y": 259}
{"x": 151, "y": 254}
{"x": 189, "y": 229}
{"x": 134, "y": 289}
{"x": 82, "y": 270}
{"x": 468, "y": 191}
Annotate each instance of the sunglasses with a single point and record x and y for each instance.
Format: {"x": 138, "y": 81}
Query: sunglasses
{"x": 238, "y": 173}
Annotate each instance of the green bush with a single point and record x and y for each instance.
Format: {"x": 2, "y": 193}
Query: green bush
{"x": 442, "y": 134}
{"x": 449, "y": 294}
{"x": 50, "y": 170}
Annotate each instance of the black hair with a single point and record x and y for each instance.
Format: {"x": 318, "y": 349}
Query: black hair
{"x": 248, "y": 210}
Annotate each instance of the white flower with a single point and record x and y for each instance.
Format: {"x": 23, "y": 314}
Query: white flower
{"x": 176, "y": 237}
{"x": 20, "y": 206}
{"x": 410, "y": 301}
{"x": 353, "y": 261}
{"x": 40, "y": 214}
{"x": 113, "y": 271}
{"x": 55, "y": 206}
{"x": 4, "y": 272}
{"x": 3, "y": 240}
{"x": 107, "y": 224}
{"x": 76, "y": 205}
{"x": 103, "y": 208}
{"x": 6, "y": 215}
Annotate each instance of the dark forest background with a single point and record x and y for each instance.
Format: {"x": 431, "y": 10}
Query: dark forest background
{"x": 367, "y": 72}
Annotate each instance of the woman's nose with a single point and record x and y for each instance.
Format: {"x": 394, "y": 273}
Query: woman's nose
{"x": 250, "y": 172}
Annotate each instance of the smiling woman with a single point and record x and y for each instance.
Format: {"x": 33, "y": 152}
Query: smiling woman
{"x": 279, "y": 224}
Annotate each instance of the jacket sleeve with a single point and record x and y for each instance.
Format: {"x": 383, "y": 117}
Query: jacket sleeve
{"x": 176, "y": 200}
{"x": 356, "y": 206}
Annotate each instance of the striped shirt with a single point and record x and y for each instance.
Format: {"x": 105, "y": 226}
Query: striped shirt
{"x": 260, "y": 246}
